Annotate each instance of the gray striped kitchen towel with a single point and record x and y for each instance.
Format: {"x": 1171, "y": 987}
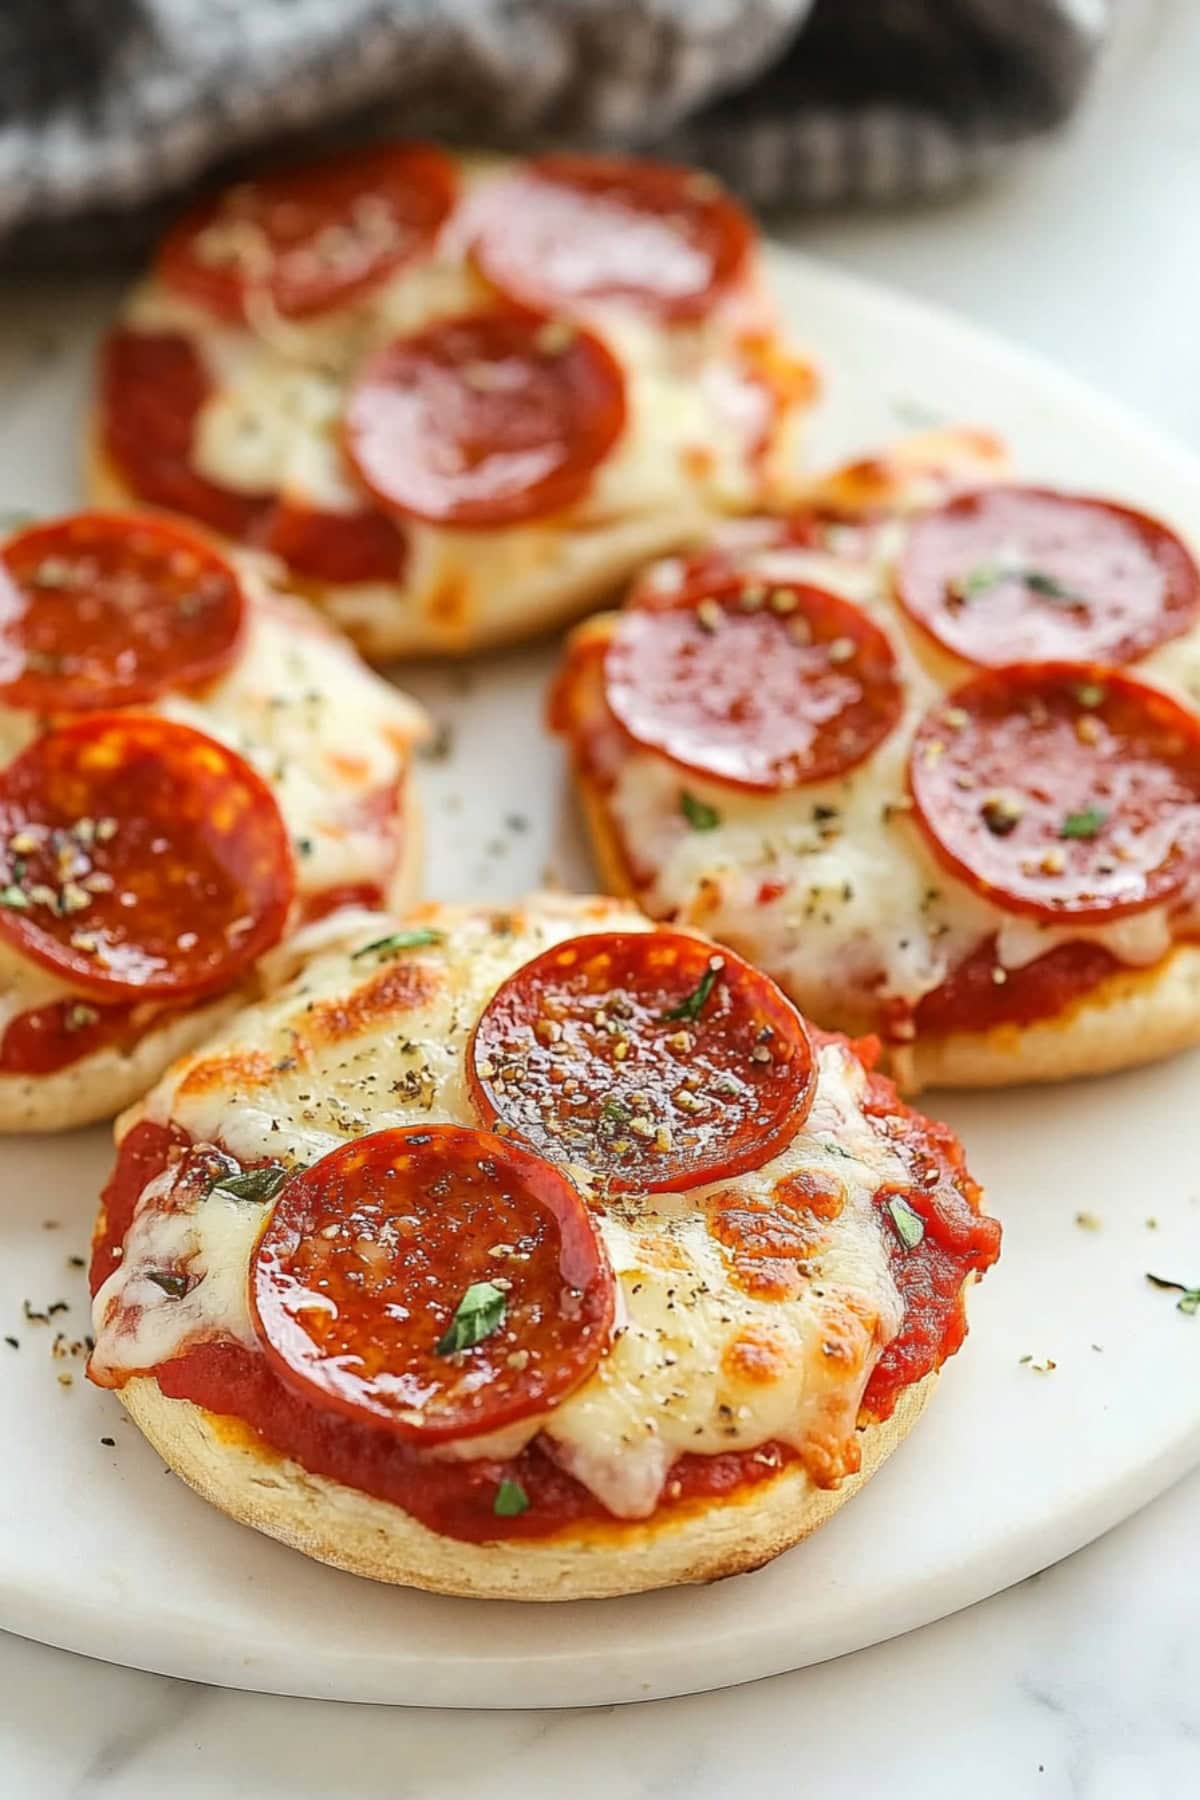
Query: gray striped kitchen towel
{"x": 110, "y": 109}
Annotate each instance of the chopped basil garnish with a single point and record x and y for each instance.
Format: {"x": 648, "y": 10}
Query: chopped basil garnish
{"x": 699, "y": 815}
{"x": 910, "y": 1226}
{"x": 252, "y": 1184}
{"x": 693, "y": 1005}
{"x": 988, "y": 575}
{"x": 511, "y": 1499}
{"x": 480, "y": 1312}
{"x": 1051, "y": 588}
{"x": 615, "y": 1111}
{"x": 416, "y": 939}
{"x": 1085, "y": 824}
{"x": 1189, "y": 1298}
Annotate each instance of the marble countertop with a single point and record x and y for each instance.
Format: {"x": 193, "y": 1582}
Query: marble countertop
{"x": 1083, "y": 1682}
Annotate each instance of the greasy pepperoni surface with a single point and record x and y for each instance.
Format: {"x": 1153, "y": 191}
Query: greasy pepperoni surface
{"x": 152, "y": 387}
{"x": 103, "y": 610}
{"x": 655, "y": 1060}
{"x": 762, "y": 688}
{"x": 1066, "y": 791}
{"x": 1012, "y": 575}
{"x": 336, "y": 546}
{"x": 486, "y": 419}
{"x": 303, "y": 240}
{"x": 139, "y": 858}
{"x": 569, "y": 229}
{"x": 368, "y": 1254}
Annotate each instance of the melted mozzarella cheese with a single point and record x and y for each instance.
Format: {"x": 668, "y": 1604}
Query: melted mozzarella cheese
{"x": 856, "y": 903}
{"x": 331, "y": 738}
{"x": 697, "y": 1364}
{"x": 690, "y": 452}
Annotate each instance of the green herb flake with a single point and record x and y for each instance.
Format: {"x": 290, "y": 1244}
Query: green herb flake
{"x": 1189, "y": 1297}
{"x": 693, "y": 1005}
{"x": 699, "y": 815}
{"x": 1051, "y": 588}
{"x": 480, "y": 1312}
{"x": 909, "y": 1225}
{"x": 988, "y": 575}
{"x": 12, "y": 897}
{"x": 252, "y": 1184}
{"x": 615, "y": 1111}
{"x": 511, "y": 1499}
{"x": 417, "y": 939}
{"x": 1084, "y": 824}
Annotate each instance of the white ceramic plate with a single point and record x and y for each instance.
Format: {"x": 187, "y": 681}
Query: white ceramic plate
{"x": 1013, "y": 1467}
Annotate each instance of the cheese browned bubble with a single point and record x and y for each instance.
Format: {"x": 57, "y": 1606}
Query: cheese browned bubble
{"x": 332, "y": 740}
{"x": 831, "y": 886}
{"x": 698, "y": 1364}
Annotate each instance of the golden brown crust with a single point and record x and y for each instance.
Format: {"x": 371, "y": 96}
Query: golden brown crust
{"x": 338, "y": 1525}
{"x": 1135, "y": 1016}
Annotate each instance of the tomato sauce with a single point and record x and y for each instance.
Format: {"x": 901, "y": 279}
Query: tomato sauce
{"x": 958, "y": 1241}
{"x": 49, "y": 1038}
{"x": 971, "y": 999}
{"x": 456, "y": 1499}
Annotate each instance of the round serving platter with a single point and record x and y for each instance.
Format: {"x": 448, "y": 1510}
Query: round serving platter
{"x": 1075, "y": 1400}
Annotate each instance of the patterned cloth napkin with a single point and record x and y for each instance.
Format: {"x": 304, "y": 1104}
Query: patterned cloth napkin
{"x": 110, "y": 108}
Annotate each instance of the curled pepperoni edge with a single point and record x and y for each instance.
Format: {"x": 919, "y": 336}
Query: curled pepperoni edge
{"x": 581, "y": 1248}
{"x": 703, "y": 580}
{"x": 56, "y": 693}
{"x": 765, "y": 1143}
{"x": 1182, "y": 603}
{"x": 224, "y": 295}
{"x": 553, "y": 493}
{"x": 50, "y": 953}
{"x": 487, "y": 247}
{"x": 1071, "y": 674}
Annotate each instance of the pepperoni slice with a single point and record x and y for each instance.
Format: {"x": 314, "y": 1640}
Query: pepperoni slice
{"x": 102, "y": 610}
{"x": 571, "y": 229}
{"x": 649, "y": 1057}
{"x": 485, "y": 420}
{"x": 336, "y": 546}
{"x": 140, "y": 858}
{"x": 759, "y": 687}
{"x": 1062, "y": 790}
{"x": 436, "y": 1281}
{"x": 304, "y": 240}
{"x": 1013, "y": 575}
{"x": 152, "y": 387}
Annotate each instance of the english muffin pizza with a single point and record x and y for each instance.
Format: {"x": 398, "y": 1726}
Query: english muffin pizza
{"x": 539, "y": 1254}
{"x": 460, "y": 399}
{"x": 928, "y": 752}
{"x": 191, "y": 764}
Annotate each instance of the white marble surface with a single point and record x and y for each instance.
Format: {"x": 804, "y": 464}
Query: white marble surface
{"x": 1082, "y": 1683}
